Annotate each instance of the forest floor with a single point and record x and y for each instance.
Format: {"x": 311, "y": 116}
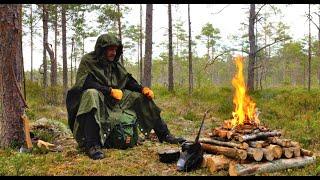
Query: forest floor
{"x": 295, "y": 112}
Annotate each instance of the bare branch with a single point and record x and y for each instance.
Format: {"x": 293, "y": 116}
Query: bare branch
{"x": 257, "y": 67}
{"x": 216, "y": 57}
{"x": 273, "y": 8}
{"x": 313, "y": 22}
{"x": 271, "y": 44}
{"x": 255, "y": 16}
{"x": 221, "y": 10}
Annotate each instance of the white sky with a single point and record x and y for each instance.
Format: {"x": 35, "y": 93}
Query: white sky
{"x": 228, "y": 21}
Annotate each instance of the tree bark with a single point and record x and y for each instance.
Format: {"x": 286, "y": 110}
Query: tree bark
{"x": 309, "y": 54}
{"x": 222, "y": 143}
{"x": 170, "y": 64}
{"x": 258, "y": 136}
{"x": 119, "y": 29}
{"x": 31, "y": 36}
{"x": 45, "y": 41}
{"x": 71, "y": 68}
{"x": 54, "y": 60}
{"x": 251, "y": 64}
{"x": 190, "y": 55}
{"x": 64, "y": 53}
{"x": 319, "y": 47}
{"x": 141, "y": 61}
{"x": 267, "y": 167}
{"x": 12, "y": 104}
{"x": 148, "y": 47}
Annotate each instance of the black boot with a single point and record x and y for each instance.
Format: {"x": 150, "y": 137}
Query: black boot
{"x": 169, "y": 138}
{"x": 95, "y": 152}
{"x": 164, "y": 134}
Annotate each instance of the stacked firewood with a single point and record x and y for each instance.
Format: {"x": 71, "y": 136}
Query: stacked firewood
{"x": 250, "y": 148}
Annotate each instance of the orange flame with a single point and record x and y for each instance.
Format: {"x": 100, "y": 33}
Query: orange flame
{"x": 245, "y": 108}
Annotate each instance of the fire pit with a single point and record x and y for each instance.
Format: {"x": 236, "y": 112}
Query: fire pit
{"x": 244, "y": 146}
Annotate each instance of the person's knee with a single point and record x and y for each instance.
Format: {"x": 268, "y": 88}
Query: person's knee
{"x": 91, "y": 91}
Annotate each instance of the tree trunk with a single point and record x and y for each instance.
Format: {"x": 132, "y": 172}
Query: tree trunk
{"x": 12, "y": 104}
{"x": 319, "y": 48}
{"x": 31, "y": 36}
{"x": 64, "y": 53}
{"x": 45, "y": 41}
{"x": 251, "y": 64}
{"x": 190, "y": 55}
{"x": 148, "y": 47}
{"x": 54, "y": 61}
{"x": 170, "y": 64}
{"x": 71, "y": 68}
{"x": 309, "y": 54}
{"x": 119, "y": 29}
{"x": 141, "y": 61}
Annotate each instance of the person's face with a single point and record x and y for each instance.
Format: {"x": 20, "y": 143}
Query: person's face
{"x": 111, "y": 53}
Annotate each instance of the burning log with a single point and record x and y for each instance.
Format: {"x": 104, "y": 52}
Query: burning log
{"x": 255, "y": 153}
{"x": 260, "y": 135}
{"x": 219, "y": 132}
{"x": 227, "y": 151}
{"x": 222, "y": 143}
{"x": 236, "y": 169}
{"x": 305, "y": 152}
{"x": 215, "y": 163}
{"x": 258, "y": 144}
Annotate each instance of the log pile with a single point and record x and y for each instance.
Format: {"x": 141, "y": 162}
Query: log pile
{"x": 249, "y": 149}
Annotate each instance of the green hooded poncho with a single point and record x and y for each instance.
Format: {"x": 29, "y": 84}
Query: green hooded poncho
{"x": 110, "y": 74}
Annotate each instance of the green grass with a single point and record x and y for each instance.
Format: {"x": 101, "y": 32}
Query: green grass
{"x": 295, "y": 112}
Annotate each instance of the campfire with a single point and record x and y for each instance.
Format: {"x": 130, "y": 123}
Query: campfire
{"x": 244, "y": 146}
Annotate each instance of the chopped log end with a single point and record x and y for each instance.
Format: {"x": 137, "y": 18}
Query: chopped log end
{"x": 232, "y": 169}
{"x": 255, "y": 153}
{"x": 277, "y": 150}
{"x": 215, "y": 163}
{"x": 243, "y": 154}
{"x": 288, "y": 152}
{"x": 268, "y": 154}
{"x": 305, "y": 152}
{"x": 296, "y": 151}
